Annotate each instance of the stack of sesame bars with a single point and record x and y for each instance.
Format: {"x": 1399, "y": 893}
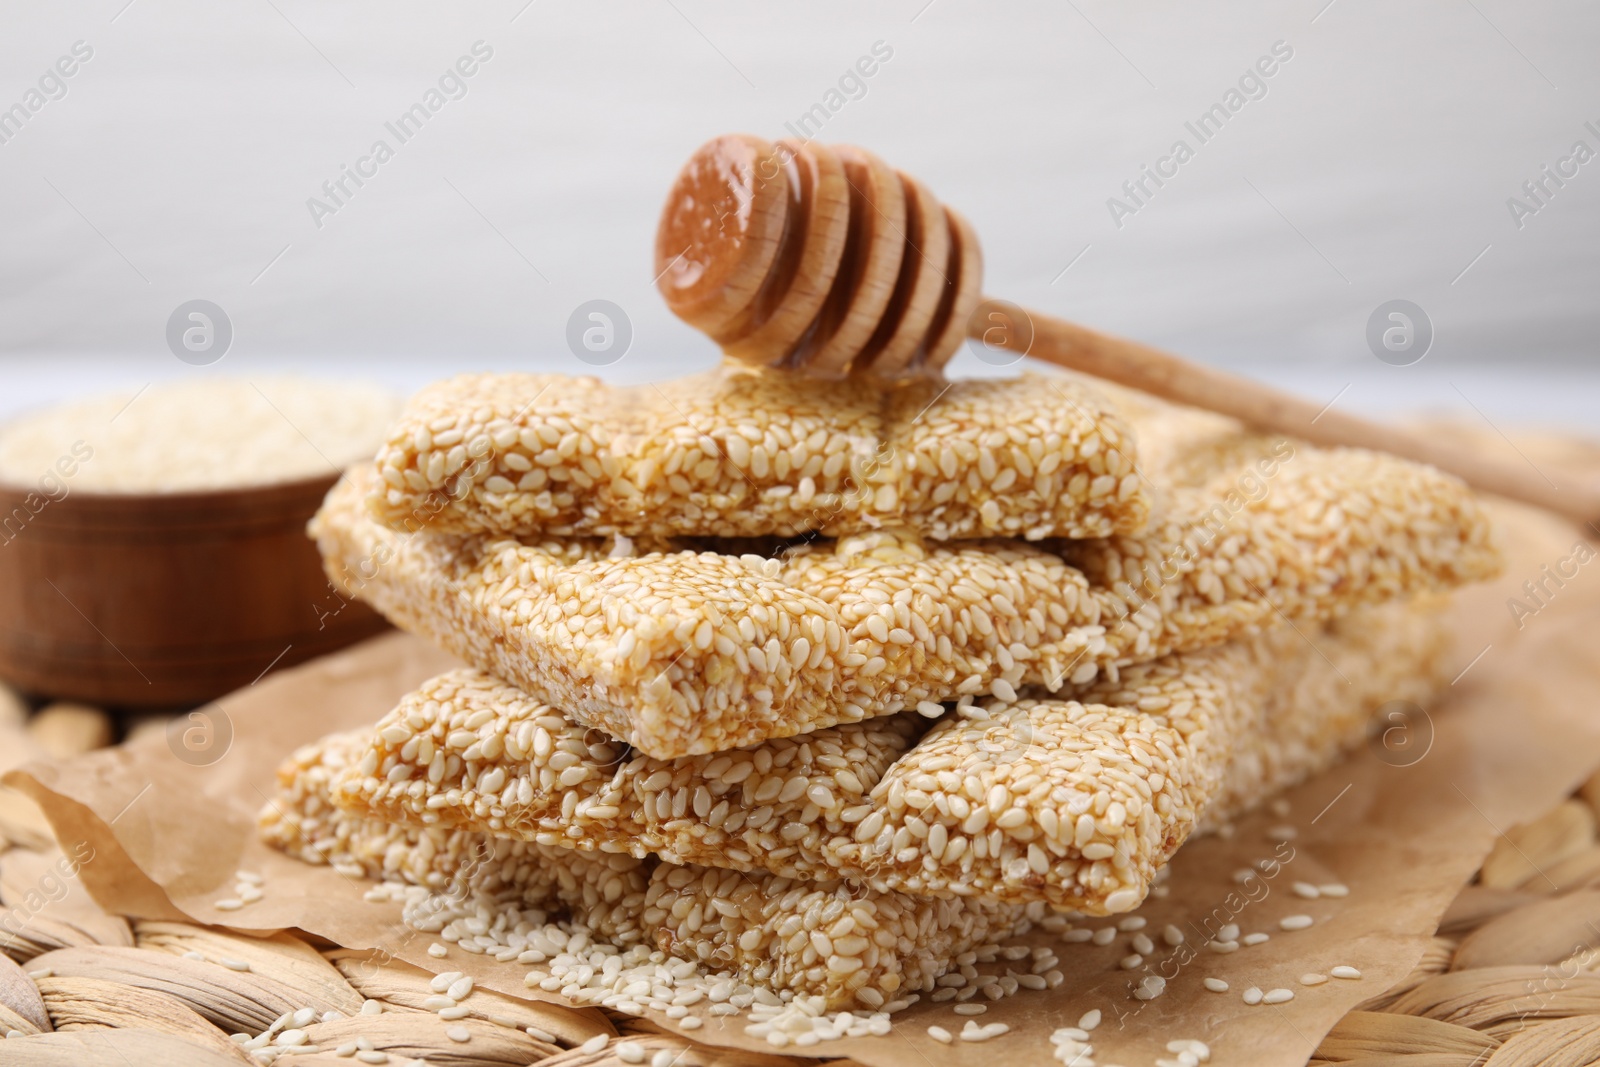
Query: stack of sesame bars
{"x": 817, "y": 686}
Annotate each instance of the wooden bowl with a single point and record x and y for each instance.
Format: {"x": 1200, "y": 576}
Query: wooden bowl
{"x": 164, "y": 600}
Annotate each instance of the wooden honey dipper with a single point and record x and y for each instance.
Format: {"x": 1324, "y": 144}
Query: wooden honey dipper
{"x": 823, "y": 260}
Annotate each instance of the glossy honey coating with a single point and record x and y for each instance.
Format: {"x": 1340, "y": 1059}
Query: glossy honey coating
{"x": 741, "y": 452}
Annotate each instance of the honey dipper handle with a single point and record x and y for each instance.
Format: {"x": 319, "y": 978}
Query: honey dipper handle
{"x": 1153, "y": 371}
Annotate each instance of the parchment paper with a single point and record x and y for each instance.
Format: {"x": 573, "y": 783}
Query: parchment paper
{"x": 1403, "y": 827}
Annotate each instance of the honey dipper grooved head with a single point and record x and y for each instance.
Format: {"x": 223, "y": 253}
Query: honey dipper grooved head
{"x": 816, "y": 258}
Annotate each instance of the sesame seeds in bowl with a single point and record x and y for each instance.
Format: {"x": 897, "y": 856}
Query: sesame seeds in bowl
{"x": 152, "y": 548}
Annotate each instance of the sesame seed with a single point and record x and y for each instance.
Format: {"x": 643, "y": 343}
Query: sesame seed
{"x": 1305, "y": 890}
{"x": 1342, "y": 971}
{"x": 971, "y": 1009}
{"x": 1151, "y": 987}
{"x": 459, "y": 1034}
{"x": 1334, "y": 890}
{"x": 1216, "y": 985}
{"x": 1257, "y": 938}
{"x": 940, "y": 1034}
{"x": 1295, "y": 922}
{"x": 1313, "y": 979}
{"x": 1253, "y": 996}
{"x": 1278, "y": 996}
{"x": 1089, "y": 1020}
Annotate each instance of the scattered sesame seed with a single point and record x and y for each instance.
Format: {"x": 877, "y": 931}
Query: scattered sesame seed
{"x": 1172, "y": 935}
{"x": 1253, "y": 996}
{"x": 1334, "y": 889}
{"x": 1151, "y": 987}
{"x": 971, "y": 1009}
{"x": 1282, "y": 833}
{"x": 1342, "y": 971}
{"x": 1295, "y": 922}
{"x": 1105, "y": 935}
{"x": 1255, "y": 938}
{"x": 438, "y": 951}
{"x": 940, "y": 1034}
{"x": 1313, "y": 979}
{"x": 1089, "y": 1020}
{"x": 1305, "y": 890}
{"x": 234, "y": 965}
{"x": 1230, "y": 932}
{"x": 459, "y": 1033}
{"x": 1278, "y": 996}
{"x": 594, "y": 1044}
{"x": 1216, "y": 985}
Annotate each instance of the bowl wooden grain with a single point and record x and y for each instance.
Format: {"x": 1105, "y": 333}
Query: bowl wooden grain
{"x": 164, "y": 600}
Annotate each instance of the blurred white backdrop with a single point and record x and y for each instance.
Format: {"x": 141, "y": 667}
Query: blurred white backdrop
{"x": 1376, "y": 163}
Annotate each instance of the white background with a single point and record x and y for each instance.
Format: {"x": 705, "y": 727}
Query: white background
{"x": 1377, "y": 166}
